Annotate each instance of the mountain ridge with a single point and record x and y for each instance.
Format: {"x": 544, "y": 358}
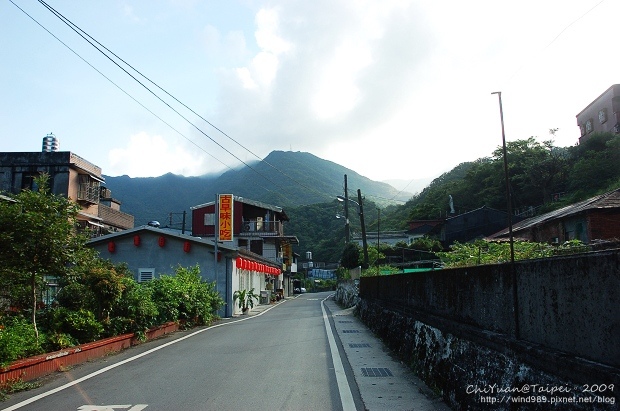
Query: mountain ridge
{"x": 283, "y": 178}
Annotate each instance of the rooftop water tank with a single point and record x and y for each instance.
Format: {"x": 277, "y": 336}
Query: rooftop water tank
{"x": 50, "y": 143}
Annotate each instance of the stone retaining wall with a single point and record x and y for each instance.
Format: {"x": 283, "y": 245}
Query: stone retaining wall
{"x": 464, "y": 332}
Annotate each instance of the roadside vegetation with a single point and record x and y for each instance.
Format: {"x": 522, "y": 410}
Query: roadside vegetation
{"x": 95, "y": 299}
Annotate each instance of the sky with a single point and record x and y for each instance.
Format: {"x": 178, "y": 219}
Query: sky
{"x": 390, "y": 89}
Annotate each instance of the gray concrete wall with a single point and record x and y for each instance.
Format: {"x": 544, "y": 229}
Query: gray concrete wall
{"x": 457, "y": 327}
{"x": 568, "y": 303}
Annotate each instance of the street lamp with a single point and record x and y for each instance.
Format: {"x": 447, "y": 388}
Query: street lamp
{"x": 360, "y": 211}
{"x": 346, "y": 226}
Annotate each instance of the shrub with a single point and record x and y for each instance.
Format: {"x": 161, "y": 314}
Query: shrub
{"x": 80, "y": 324}
{"x": 186, "y": 297}
{"x": 58, "y": 341}
{"x": 76, "y": 296}
{"x": 135, "y": 311}
{"x": 17, "y": 340}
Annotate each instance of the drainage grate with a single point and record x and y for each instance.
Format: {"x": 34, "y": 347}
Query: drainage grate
{"x": 351, "y": 331}
{"x": 345, "y": 322}
{"x": 376, "y": 372}
{"x": 364, "y": 345}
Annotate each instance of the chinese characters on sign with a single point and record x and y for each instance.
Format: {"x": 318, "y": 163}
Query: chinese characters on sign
{"x": 225, "y": 202}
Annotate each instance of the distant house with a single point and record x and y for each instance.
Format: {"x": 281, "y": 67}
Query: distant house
{"x": 602, "y": 115}
{"x": 420, "y": 228}
{"x": 256, "y": 227}
{"x": 150, "y": 252}
{"x": 470, "y": 226}
{"x": 384, "y": 237}
{"x": 597, "y": 218}
{"x": 72, "y": 177}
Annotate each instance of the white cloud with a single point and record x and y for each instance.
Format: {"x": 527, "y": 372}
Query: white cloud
{"x": 150, "y": 155}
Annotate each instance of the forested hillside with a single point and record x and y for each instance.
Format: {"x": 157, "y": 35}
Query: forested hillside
{"x": 543, "y": 177}
{"x": 283, "y": 178}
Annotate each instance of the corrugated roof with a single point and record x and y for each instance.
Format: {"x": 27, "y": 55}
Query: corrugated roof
{"x": 603, "y": 201}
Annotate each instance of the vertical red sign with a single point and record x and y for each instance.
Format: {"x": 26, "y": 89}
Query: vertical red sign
{"x": 225, "y": 220}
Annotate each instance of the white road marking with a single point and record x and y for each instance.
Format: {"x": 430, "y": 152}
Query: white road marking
{"x": 118, "y": 364}
{"x": 346, "y": 397}
{"x": 137, "y": 407}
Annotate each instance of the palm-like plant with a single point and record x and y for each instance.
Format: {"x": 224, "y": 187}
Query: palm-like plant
{"x": 245, "y": 299}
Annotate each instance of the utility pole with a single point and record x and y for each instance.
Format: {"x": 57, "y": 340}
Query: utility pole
{"x": 515, "y": 294}
{"x": 361, "y": 211}
{"x": 346, "y": 211}
{"x": 378, "y": 227}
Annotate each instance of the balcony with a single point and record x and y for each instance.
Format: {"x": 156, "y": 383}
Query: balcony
{"x": 261, "y": 228}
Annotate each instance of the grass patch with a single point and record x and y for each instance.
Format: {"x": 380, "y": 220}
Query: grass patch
{"x": 16, "y": 385}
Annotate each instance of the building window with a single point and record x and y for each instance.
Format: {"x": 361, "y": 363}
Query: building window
{"x": 89, "y": 189}
{"x": 209, "y": 219}
{"x": 602, "y": 116}
{"x": 582, "y": 129}
{"x": 589, "y": 126}
{"x": 146, "y": 274}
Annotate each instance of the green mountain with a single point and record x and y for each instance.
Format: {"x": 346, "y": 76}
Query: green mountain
{"x": 284, "y": 178}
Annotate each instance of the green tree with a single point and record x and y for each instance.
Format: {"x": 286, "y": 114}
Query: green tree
{"x": 351, "y": 256}
{"x": 596, "y": 164}
{"x": 94, "y": 284}
{"x": 37, "y": 239}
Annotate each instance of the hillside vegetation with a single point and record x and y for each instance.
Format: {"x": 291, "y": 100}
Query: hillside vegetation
{"x": 543, "y": 177}
{"x": 283, "y": 178}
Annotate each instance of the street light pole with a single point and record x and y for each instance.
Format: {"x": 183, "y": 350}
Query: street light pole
{"x": 508, "y": 195}
{"x": 515, "y": 295}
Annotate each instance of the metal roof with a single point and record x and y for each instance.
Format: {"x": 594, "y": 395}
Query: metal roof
{"x": 169, "y": 233}
{"x": 245, "y": 201}
{"x": 608, "y": 200}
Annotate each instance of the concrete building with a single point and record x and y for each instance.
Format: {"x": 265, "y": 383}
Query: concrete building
{"x": 151, "y": 252}
{"x": 71, "y": 176}
{"x": 256, "y": 227}
{"x": 602, "y": 115}
{"x": 597, "y": 218}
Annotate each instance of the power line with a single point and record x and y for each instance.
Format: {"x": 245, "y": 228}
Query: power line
{"x": 84, "y": 35}
{"x": 79, "y": 32}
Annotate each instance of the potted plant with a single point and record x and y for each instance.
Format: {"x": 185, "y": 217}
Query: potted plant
{"x": 245, "y": 299}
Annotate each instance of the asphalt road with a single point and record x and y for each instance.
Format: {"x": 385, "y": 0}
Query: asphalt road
{"x": 284, "y": 358}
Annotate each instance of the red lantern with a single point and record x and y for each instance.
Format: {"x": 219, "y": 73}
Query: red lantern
{"x": 161, "y": 241}
{"x": 111, "y": 246}
{"x": 238, "y": 262}
{"x": 187, "y": 246}
{"x": 136, "y": 240}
